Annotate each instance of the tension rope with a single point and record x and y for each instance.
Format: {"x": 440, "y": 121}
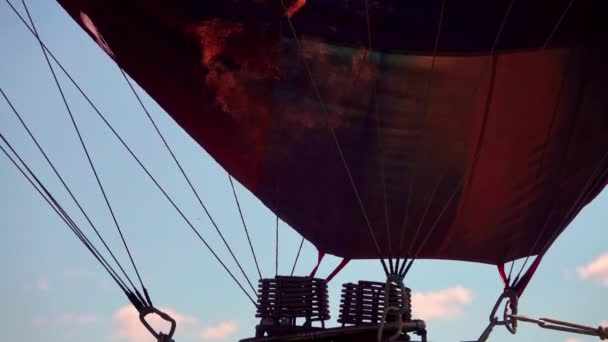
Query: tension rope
{"x": 554, "y": 324}
{"x": 143, "y": 306}
{"x": 87, "y": 154}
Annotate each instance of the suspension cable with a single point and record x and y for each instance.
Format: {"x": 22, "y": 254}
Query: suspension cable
{"x": 427, "y": 95}
{"x": 183, "y": 172}
{"x": 346, "y": 91}
{"x": 405, "y": 269}
{"x": 424, "y": 214}
{"x": 295, "y": 262}
{"x": 238, "y": 204}
{"x": 555, "y": 201}
{"x": 588, "y": 185}
{"x": 461, "y": 183}
{"x": 65, "y": 186}
{"x": 559, "y": 22}
{"x": 337, "y": 143}
{"x": 380, "y": 140}
{"x": 547, "y": 41}
{"x": 405, "y": 218}
{"x": 88, "y": 156}
{"x": 559, "y": 325}
{"x": 144, "y": 308}
{"x": 124, "y": 144}
{"x": 598, "y": 177}
{"x": 559, "y": 97}
{"x": 276, "y": 251}
{"x": 54, "y": 204}
{"x": 511, "y": 281}
{"x": 453, "y": 196}
{"x": 511, "y": 271}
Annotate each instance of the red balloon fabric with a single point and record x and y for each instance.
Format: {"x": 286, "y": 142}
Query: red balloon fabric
{"x": 479, "y": 139}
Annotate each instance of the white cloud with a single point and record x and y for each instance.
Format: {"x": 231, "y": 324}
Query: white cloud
{"x": 572, "y": 339}
{"x": 43, "y": 285}
{"x": 596, "y": 270}
{"x": 442, "y": 304}
{"x": 219, "y": 331}
{"x": 129, "y": 328}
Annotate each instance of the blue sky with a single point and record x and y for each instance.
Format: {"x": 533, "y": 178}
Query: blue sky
{"x": 53, "y": 290}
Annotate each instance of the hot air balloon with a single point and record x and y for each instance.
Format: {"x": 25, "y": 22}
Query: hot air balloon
{"x": 390, "y": 130}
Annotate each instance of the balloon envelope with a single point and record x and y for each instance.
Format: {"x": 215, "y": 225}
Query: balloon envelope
{"x": 455, "y": 152}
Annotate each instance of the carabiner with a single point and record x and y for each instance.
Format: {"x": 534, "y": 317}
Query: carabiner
{"x": 160, "y": 336}
{"x": 512, "y": 303}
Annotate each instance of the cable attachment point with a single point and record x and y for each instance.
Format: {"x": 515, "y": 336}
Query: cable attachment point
{"x": 160, "y": 336}
{"x": 510, "y": 310}
{"x": 509, "y": 317}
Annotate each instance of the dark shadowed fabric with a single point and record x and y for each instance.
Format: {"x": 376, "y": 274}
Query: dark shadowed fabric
{"x": 483, "y": 157}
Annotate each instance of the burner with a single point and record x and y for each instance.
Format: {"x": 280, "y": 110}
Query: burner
{"x": 282, "y": 300}
{"x": 364, "y": 303}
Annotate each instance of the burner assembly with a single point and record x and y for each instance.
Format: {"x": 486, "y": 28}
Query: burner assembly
{"x": 296, "y": 308}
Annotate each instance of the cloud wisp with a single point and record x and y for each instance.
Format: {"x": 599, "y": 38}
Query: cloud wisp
{"x": 442, "y": 304}
{"x": 129, "y": 328}
{"x": 43, "y": 285}
{"x": 596, "y": 270}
